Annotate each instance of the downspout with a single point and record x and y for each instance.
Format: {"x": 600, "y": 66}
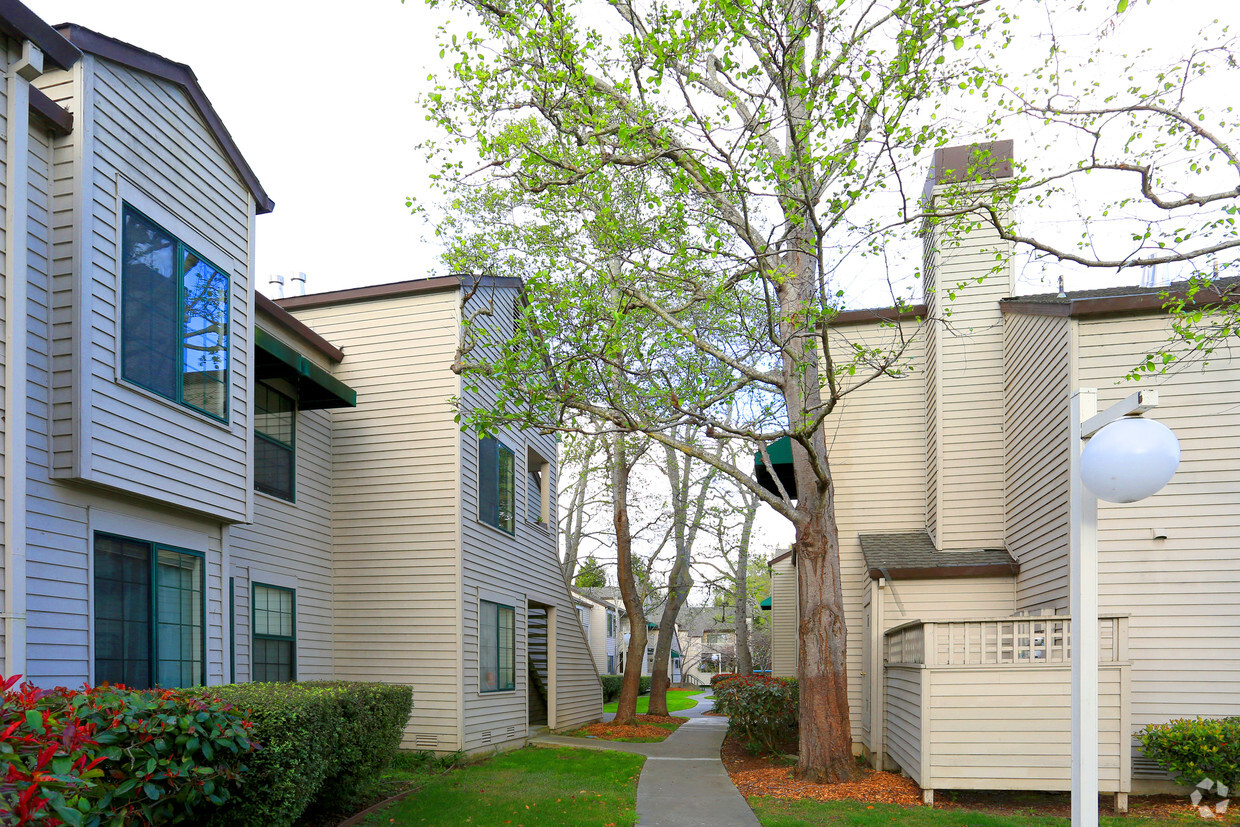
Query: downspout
{"x": 29, "y": 67}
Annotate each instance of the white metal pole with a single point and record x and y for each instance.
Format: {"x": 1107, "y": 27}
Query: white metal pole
{"x": 1084, "y": 610}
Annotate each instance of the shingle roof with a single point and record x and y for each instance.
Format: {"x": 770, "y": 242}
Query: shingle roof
{"x": 1110, "y": 292}
{"x": 913, "y": 555}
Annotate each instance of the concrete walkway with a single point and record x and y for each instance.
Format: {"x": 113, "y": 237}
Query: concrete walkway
{"x": 683, "y": 782}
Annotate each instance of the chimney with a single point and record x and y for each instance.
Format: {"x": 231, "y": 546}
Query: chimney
{"x": 297, "y": 284}
{"x": 275, "y": 285}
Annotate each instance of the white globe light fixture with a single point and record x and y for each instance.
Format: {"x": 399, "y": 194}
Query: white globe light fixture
{"x": 1129, "y": 460}
{"x": 1119, "y": 457}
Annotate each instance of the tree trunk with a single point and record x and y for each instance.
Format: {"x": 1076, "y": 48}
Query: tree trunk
{"x": 681, "y": 583}
{"x": 630, "y": 686}
{"x": 826, "y": 731}
{"x": 744, "y": 658}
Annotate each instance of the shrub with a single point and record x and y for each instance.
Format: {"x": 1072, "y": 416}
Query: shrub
{"x": 643, "y": 685}
{"x": 1193, "y": 749}
{"x": 715, "y": 680}
{"x": 116, "y": 755}
{"x": 611, "y": 686}
{"x": 762, "y": 711}
{"x": 322, "y": 744}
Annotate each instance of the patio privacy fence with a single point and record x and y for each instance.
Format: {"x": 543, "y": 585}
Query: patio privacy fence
{"x": 986, "y": 703}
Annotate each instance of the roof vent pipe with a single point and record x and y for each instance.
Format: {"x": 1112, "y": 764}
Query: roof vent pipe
{"x": 297, "y": 284}
{"x": 275, "y": 285}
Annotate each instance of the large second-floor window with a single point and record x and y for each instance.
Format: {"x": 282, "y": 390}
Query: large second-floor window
{"x": 149, "y": 614}
{"x": 174, "y": 318}
{"x": 275, "y": 427}
{"x": 496, "y": 485}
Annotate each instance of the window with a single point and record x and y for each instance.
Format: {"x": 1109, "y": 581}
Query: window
{"x": 497, "y": 647}
{"x": 584, "y": 614}
{"x": 537, "y": 499}
{"x": 496, "y": 486}
{"x": 611, "y": 664}
{"x": 275, "y": 633}
{"x": 149, "y": 614}
{"x": 611, "y": 624}
{"x": 275, "y": 428}
{"x": 174, "y": 318}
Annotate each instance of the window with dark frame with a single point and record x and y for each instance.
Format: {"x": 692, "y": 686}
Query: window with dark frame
{"x": 275, "y": 429}
{"x": 275, "y": 634}
{"x": 174, "y": 318}
{"x": 496, "y": 485}
{"x": 497, "y": 647}
{"x": 149, "y": 614}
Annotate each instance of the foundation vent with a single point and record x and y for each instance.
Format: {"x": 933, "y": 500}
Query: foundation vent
{"x": 426, "y": 741}
{"x": 1147, "y": 769}
{"x": 485, "y": 737}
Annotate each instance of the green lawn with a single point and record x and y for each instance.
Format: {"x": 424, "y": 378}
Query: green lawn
{"x": 773, "y": 812}
{"x": 530, "y": 787}
{"x": 676, "y": 700}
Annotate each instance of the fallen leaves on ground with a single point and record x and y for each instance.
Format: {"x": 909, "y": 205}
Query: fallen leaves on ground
{"x": 644, "y": 728}
{"x": 765, "y": 775}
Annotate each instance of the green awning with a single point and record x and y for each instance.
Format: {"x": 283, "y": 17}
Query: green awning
{"x": 780, "y": 452}
{"x": 316, "y": 388}
{"x": 765, "y": 604}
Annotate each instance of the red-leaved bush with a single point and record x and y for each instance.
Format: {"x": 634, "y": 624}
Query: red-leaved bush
{"x": 114, "y": 756}
{"x": 762, "y": 711}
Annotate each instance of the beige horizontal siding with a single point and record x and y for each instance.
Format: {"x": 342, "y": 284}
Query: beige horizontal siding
{"x": 784, "y": 619}
{"x": 902, "y": 718}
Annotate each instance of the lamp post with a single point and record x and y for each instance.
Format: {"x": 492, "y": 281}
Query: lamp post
{"x": 1119, "y": 457}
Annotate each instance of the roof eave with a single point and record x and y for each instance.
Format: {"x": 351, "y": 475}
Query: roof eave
{"x": 141, "y": 60}
{"x": 945, "y": 572}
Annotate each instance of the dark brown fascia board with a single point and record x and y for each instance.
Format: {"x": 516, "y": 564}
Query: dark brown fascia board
{"x": 951, "y": 164}
{"x": 879, "y": 314}
{"x": 21, "y": 23}
{"x": 141, "y": 60}
{"x": 57, "y": 118}
{"x": 946, "y": 572}
{"x": 789, "y": 553}
{"x": 297, "y": 326}
{"x": 1134, "y": 304}
{"x": 393, "y": 290}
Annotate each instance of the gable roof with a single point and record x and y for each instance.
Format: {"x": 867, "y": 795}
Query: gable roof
{"x": 21, "y": 23}
{"x": 394, "y": 290}
{"x": 141, "y": 60}
{"x": 912, "y": 555}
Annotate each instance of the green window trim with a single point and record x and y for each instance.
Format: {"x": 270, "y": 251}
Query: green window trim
{"x": 157, "y": 588}
{"x": 501, "y": 659}
{"x": 287, "y": 634}
{"x": 189, "y": 328}
{"x": 275, "y": 449}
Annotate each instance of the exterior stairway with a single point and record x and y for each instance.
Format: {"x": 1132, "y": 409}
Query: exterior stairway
{"x": 536, "y": 649}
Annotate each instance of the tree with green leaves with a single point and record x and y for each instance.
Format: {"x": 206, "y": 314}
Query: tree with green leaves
{"x": 591, "y": 576}
{"x": 686, "y": 186}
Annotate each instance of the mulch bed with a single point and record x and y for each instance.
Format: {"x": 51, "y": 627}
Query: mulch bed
{"x": 608, "y": 732}
{"x": 772, "y": 776}
{"x": 768, "y": 775}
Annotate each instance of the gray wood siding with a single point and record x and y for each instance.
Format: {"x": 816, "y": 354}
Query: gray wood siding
{"x": 526, "y": 564}
{"x": 7, "y": 51}
{"x": 293, "y": 541}
{"x": 902, "y": 717}
{"x": 1037, "y": 393}
{"x": 395, "y": 466}
{"x": 1183, "y": 592}
{"x": 127, "y": 439}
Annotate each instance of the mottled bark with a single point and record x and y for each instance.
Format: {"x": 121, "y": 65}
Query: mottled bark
{"x": 630, "y": 686}
{"x": 744, "y": 658}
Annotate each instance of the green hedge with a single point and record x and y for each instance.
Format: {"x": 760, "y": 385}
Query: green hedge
{"x": 321, "y": 746}
{"x": 1194, "y": 749}
{"x": 111, "y": 755}
{"x": 762, "y": 712}
{"x": 612, "y": 683}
